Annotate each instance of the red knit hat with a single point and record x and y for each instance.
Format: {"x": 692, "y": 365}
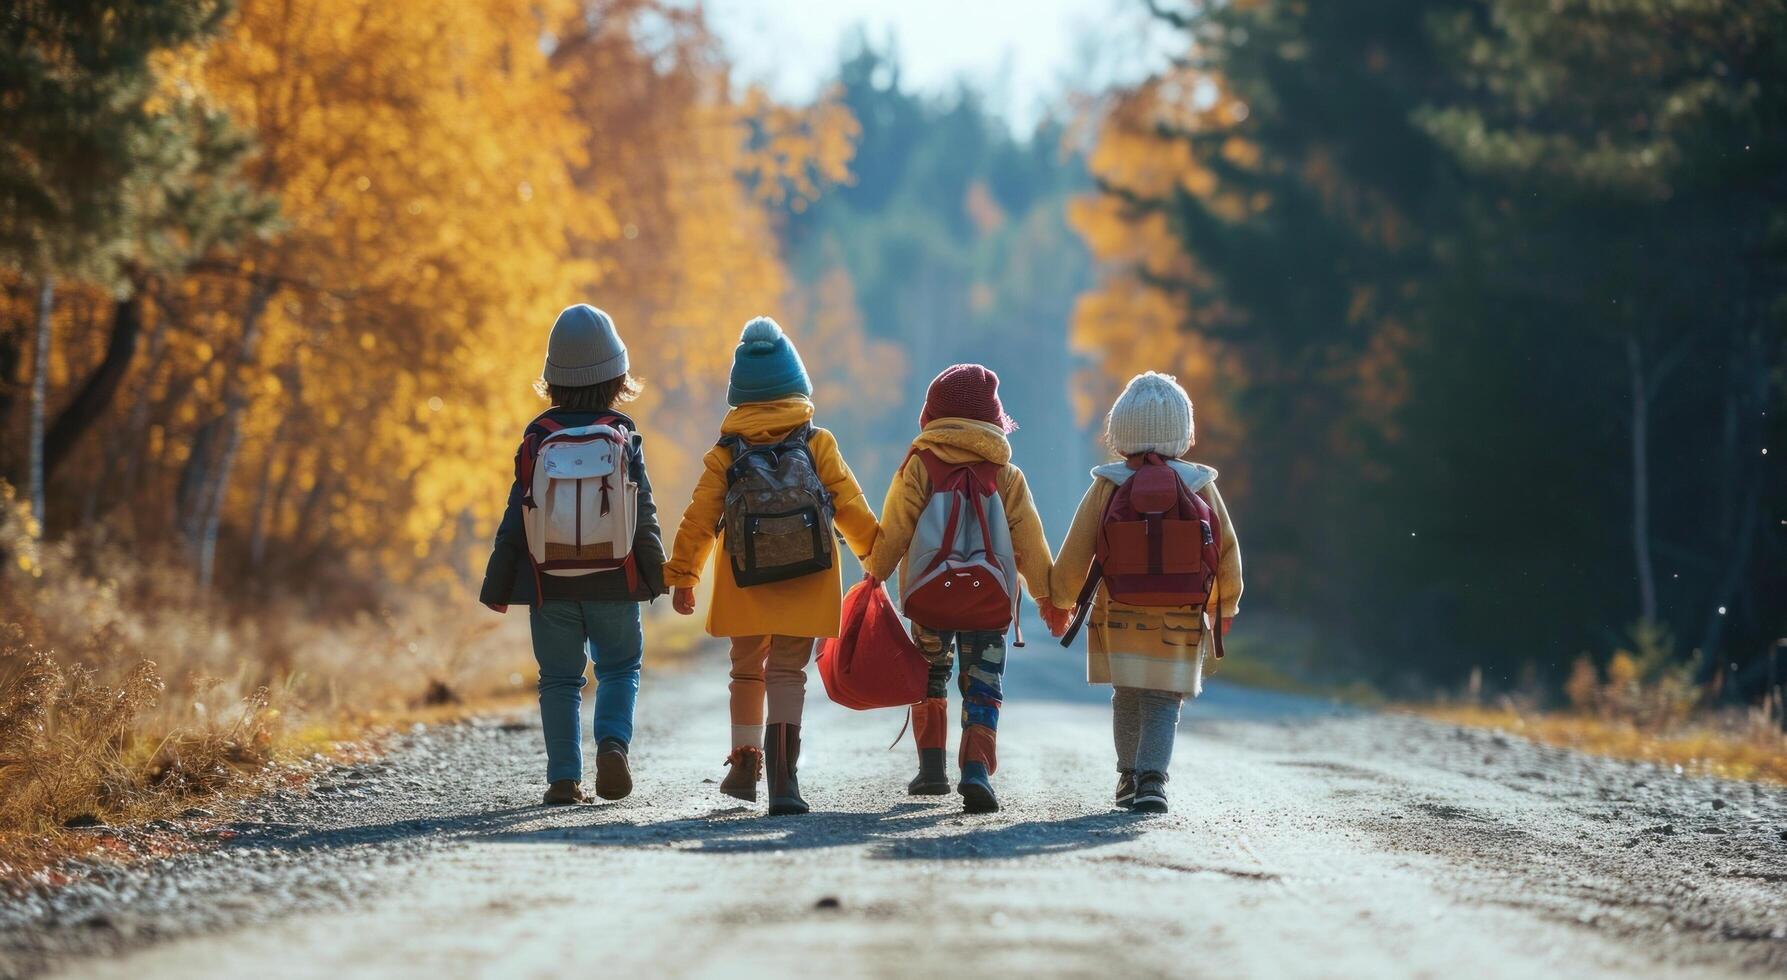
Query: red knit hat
{"x": 966, "y": 391}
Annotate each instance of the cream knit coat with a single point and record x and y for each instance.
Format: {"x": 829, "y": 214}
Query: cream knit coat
{"x": 1135, "y": 646}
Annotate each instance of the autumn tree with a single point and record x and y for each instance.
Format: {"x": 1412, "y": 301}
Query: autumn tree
{"x": 343, "y": 388}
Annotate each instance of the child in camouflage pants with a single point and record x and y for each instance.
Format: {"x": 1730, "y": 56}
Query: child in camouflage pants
{"x": 963, "y": 424}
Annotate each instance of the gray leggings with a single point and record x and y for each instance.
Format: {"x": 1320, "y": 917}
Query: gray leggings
{"x": 1143, "y": 723}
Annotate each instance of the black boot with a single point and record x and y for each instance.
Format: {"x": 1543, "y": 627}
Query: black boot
{"x": 1150, "y": 792}
{"x": 932, "y": 778}
{"x": 977, "y": 789}
{"x": 781, "y": 757}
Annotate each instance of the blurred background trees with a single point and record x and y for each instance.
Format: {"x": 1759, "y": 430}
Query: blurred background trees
{"x": 948, "y": 244}
{"x": 1481, "y": 301}
{"x": 1494, "y": 294}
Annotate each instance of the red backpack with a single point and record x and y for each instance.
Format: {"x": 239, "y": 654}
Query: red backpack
{"x": 1159, "y": 544}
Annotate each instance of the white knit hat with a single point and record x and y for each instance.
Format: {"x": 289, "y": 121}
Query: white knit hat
{"x": 1153, "y": 415}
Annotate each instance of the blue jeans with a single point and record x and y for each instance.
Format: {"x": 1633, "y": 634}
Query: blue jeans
{"x": 568, "y": 634}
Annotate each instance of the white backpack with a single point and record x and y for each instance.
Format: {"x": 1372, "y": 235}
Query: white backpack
{"x": 579, "y": 501}
{"x": 961, "y": 572}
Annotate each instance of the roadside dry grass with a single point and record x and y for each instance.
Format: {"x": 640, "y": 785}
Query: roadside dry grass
{"x": 1734, "y": 745}
{"x": 125, "y": 698}
{"x": 1645, "y": 705}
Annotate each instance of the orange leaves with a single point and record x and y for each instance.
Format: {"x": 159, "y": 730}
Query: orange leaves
{"x": 796, "y": 150}
{"x": 447, "y": 182}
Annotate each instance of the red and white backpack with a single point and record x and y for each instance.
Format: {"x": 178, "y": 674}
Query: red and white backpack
{"x": 579, "y": 501}
{"x": 961, "y": 572}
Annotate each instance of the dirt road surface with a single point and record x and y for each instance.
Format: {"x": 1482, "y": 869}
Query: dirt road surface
{"x": 1303, "y": 841}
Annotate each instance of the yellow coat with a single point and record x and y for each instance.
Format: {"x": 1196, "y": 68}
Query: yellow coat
{"x": 962, "y": 441}
{"x": 1144, "y": 646}
{"x": 805, "y": 606}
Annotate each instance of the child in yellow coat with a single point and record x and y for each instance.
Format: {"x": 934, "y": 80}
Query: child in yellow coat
{"x": 772, "y": 625}
{"x": 963, "y": 423}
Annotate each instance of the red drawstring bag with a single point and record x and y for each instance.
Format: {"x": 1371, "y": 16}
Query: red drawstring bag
{"x": 873, "y": 662}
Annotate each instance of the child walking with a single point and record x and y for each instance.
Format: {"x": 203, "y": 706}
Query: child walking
{"x": 579, "y": 545}
{"x": 959, "y": 525}
{"x": 772, "y": 491}
{"x": 1160, "y": 565}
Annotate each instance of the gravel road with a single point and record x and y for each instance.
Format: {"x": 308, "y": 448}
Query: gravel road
{"x": 1303, "y": 841}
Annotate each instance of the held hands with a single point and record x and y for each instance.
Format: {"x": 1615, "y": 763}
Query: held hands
{"x": 682, "y": 599}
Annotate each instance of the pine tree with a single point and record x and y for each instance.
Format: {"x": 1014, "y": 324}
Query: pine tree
{"x": 105, "y": 179}
{"x": 1500, "y": 283}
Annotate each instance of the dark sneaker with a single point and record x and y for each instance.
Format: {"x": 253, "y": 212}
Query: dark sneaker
{"x": 564, "y": 792}
{"x": 1150, "y": 792}
{"x": 614, "y": 778}
{"x": 977, "y": 789}
{"x": 1125, "y": 788}
{"x": 746, "y": 768}
{"x": 932, "y": 778}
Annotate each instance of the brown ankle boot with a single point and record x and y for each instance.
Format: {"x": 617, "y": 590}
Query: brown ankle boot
{"x": 746, "y": 767}
{"x": 564, "y": 792}
{"x": 614, "y": 777}
{"x": 782, "y": 752}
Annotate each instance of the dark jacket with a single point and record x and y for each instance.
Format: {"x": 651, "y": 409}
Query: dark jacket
{"x": 509, "y": 577}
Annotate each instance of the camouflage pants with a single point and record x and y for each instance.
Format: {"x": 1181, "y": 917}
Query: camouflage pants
{"x": 981, "y": 678}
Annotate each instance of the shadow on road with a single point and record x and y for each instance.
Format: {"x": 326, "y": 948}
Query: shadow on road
{"x": 1026, "y": 839}
{"x": 893, "y": 834}
{"x": 889, "y": 835}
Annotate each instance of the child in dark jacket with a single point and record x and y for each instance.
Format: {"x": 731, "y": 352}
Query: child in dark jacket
{"x": 582, "y": 616}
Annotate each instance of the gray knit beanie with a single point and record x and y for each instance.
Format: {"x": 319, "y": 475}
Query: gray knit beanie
{"x": 1153, "y": 415}
{"x": 584, "y": 349}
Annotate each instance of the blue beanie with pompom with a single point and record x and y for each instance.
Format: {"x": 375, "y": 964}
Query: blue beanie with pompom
{"x": 766, "y": 366}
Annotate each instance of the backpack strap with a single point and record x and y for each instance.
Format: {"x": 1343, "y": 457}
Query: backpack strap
{"x": 949, "y": 531}
{"x": 1083, "y": 605}
{"x": 936, "y": 469}
{"x": 1094, "y": 575}
{"x": 799, "y": 438}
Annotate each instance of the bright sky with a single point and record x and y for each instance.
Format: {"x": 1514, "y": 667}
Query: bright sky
{"x": 1023, "y": 53}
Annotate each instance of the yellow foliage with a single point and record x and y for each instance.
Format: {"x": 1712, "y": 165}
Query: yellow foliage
{"x": 1584, "y": 686}
{"x": 352, "y": 386}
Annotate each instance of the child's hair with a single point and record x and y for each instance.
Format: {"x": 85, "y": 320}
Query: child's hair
{"x": 599, "y": 397}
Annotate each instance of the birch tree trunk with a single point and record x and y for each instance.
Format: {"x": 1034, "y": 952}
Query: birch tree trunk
{"x": 211, "y": 498}
{"x": 40, "y": 381}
